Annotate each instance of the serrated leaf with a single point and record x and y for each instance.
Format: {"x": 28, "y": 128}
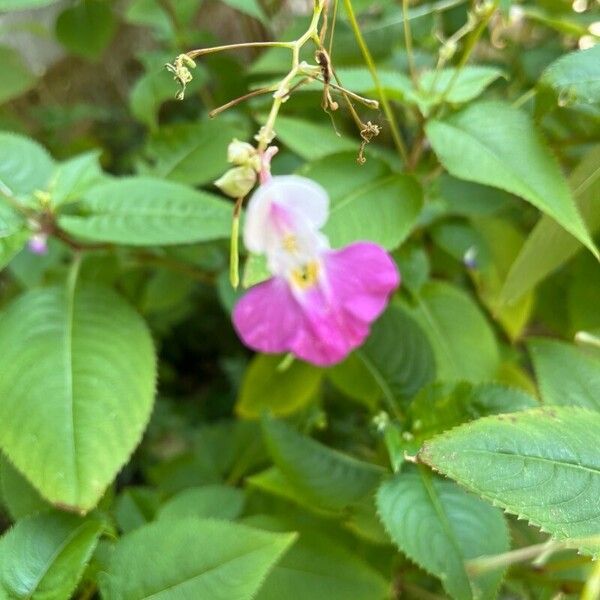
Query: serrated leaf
{"x": 439, "y": 526}
{"x": 266, "y": 387}
{"x": 542, "y": 465}
{"x": 142, "y": 211}
{"x": 194, "y": 154}
{"x": 77, "y": 389}
{"x": 566, "y": 375}
{"x": 24, "y": 165}
{"x": 135, "y": 507}
{"x": 87, "y": 28}
{"x": 548, "y": 245}
{"x": 44, "y": 556}
{"x": 462, "y": 340}
{"x": 575, "y": 77}
{"x": 398, "y": 355}
{"x": 331, "y": 479}
{"x": 205, "y": 502}
{"x": 494, "y": 144}
{"x": 193, "y": 558}
{"x": 15, "y": 76}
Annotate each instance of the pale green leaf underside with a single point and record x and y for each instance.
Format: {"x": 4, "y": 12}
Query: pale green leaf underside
{"x": 439, "y": 526}
{"x": 140, "y": 211}
{"x": 542, "y": 465}
{"x": 193, "y": 558}
{"x": 44, "y": 556}
{"x": 77, "y": 389}
{"x": 494, "y": 144}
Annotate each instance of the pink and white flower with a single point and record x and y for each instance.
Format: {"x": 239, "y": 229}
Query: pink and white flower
{"x": 320, "y": 302}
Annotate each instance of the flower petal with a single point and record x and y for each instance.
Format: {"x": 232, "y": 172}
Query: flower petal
{"x": 304, "y": 201}
{"x": 325, "y": 322}
{"x": 362, "y": 276}
{"x": 267, "y": 318}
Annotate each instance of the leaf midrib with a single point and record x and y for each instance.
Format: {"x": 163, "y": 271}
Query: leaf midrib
{"x": 593, "y": 470}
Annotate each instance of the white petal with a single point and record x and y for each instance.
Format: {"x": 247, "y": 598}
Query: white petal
{"x": 306, "y": 201}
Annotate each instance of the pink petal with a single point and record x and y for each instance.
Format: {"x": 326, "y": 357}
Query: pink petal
{"x": 267, "y": 318}
{"x": 324, "y": 323}
{"x": 362, "y": 277}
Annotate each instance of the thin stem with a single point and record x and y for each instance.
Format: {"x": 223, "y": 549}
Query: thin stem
{"x": 469, "y": 47}
{"x": 528, "y": 95}
{"x": 387, "y": 109}
{"x": 204, "y": 51}
{"x": 409, "y": 45}
{"x": 260, "y": 92}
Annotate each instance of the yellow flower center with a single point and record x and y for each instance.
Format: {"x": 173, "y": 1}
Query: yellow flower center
{"x": 290, "y": 243}
{"x": 306, "y": 275}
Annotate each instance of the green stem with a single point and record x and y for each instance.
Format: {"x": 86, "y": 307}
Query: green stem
{"x": 469, "y": 47}
{"x": 387, "y": 108}
{"x": 409, "y": 46}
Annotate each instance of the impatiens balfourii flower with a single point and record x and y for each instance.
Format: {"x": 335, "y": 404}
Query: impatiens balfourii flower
{"x": 320, "y": 302}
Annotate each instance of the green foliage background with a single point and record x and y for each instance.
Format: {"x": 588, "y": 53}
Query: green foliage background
{"x": 145, "y": 453}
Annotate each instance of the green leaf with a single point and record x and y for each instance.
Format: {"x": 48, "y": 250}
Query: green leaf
{"x": 442, "y": 406}
{"x": 439, "y": 526}
{"x": 494, "y": 144}
{"x": 353, "y": 378}
{"x": 384, "y": 212}
{"x": 44, "y": 556}
{"x": 463, "y": 341}
{"x": 465, "y": 85}
{"x": 15, "y": 76}
{"x": 398, "y": 355}
{"x": 249, "y": 7}
{"x": 367, "y": 202}
{"x": 7, "y": 5}
{"x": 193, "y": 558}
{"x": 192, "y": 153}
{"x": 135, "y": 507}
{"x": 548, "y": 246}
{"x": 24, "y": 165}
{"x": 280, "y": 391}
{"x": 542, "y": 465}
{"x": 209, "y": 501}
{"x": 11, "y": 245}
{"x": 142, "y": 211}
{"x": 310, "y": 141}
{"x": 566, "y": 375}
{"x": 575, "y": 77}
{"x": 86, "y": 28}
{"x": 332, "y": 480}
{"x": 75, "y": 177}
{"x": 77, "y": 389}
{"x": 321, "y": 569}
{"x": 19, "y": 496}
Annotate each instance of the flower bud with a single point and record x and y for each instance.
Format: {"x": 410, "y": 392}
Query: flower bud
{"x": 241, "y": 153}
{"x": 237, "y": 182}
